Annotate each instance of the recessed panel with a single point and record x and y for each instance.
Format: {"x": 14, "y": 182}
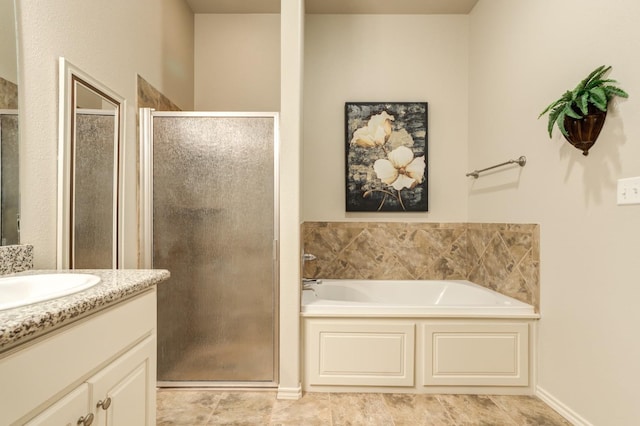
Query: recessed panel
{"x": 480, "y": 354}
{"x": 361, "y": 353}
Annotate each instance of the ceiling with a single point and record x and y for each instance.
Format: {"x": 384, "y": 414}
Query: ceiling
{"x": 386, "y": 7}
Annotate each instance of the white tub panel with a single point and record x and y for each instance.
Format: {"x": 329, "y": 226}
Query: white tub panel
{"x": 476, "y": 354}
{"x": 360, "y": 353}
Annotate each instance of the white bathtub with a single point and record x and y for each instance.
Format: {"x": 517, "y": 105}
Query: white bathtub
{"x": 417, "y": 337}
{"x": 410, "y": 298}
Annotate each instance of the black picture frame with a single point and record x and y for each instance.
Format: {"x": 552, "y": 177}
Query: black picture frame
{"x": 386, "y": 156}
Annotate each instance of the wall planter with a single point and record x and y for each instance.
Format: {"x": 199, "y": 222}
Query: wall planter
{"x": 580, "y": 113}
{"x": 583, "y": 132}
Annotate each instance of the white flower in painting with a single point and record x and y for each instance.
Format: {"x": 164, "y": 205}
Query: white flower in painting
{"x": 401, "y": 170}
{"x": 376, "y": 132}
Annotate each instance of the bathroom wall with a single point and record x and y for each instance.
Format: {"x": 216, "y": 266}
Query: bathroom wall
{"x": 8, "y": 64}
{"x": 113, "y": 42}
{"x": 237, "y": 62}
{"x": 523, "y": 55}
{"x": 503, "y": 257}
{"x": 385, "y": 58}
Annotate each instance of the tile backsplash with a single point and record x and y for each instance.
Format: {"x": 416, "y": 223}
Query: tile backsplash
{"x": 16, "y": 258}
{"x": 503, "y": 257}
{"x": 8, "y": 94}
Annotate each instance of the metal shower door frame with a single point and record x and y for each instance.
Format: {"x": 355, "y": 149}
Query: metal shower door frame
{"x": 145, "y": 220}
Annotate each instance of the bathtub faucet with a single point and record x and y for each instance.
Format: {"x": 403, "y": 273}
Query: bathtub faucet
{"x": 308, "y": 283}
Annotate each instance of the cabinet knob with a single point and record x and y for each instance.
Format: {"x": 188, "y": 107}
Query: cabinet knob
{"x": 104, "y": 404}
{"x": 86, "y": 420}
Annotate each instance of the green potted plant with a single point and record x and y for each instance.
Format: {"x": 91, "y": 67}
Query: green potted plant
{"x": 580, "y": 113}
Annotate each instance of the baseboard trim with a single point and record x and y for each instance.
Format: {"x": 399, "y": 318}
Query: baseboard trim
{"x": 290, "y": 393}
{"x": 561, "y": 408}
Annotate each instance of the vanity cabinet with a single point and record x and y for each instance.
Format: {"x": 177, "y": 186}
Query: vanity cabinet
{"x": 100, "y": 370}
{"x": 114, "y": 396}
{"x": 65, "y": 411}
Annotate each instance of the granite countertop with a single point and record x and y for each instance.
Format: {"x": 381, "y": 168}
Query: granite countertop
{"x": 18, "y": 325}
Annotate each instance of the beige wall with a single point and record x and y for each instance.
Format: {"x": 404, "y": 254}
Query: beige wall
{"x": 8, "y": 69}
{"x": 237, "y": 62}
{"x": 385, "y": 58}
{"x": 147, "y": 37}
{"x": 523, "y": 55}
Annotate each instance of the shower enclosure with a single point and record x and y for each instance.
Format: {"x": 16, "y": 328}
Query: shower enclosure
{"x": 208, "y": 207}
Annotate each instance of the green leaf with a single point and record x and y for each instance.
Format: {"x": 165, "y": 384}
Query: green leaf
{"x": 602, "y": 106}
{"x": 553, "y": 117}
{"x": 598, "y": 96}
{"x": 598, "y": 83}
{"x": 596, "y": 74}
{"x": 569, "y": 112}
{"x": 612, "y": 91}
{"x": 583, "y": 103}
{"x": 561, "y": 123}
{"x": 566, "y": 97}
{"x": 550, "y": 107}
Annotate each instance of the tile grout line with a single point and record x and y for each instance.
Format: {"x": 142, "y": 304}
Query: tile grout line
{"x": 215, "y": 407}
{"x": 446, "y": 410}
{"x": 501, "y": 408}
{"x": 330, "y": 410}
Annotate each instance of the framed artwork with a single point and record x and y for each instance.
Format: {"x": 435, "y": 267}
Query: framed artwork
{"x": 386, "y": 156}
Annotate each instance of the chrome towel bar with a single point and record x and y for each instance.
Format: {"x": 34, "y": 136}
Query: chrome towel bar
{"x": 520, "y": 162}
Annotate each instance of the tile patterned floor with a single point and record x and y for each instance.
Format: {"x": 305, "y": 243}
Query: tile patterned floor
{"x": 204, "y": 407}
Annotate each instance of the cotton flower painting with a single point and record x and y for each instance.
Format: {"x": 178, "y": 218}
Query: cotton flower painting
{"x": 386, "y": 165}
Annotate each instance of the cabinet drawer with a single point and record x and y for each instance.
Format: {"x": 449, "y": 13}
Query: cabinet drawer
{"x": 476, "y": 354}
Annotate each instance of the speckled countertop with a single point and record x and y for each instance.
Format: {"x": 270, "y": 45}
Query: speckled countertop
{"x": 21, "y": 324}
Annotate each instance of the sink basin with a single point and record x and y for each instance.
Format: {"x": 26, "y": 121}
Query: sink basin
{"x": 28, "y": 289}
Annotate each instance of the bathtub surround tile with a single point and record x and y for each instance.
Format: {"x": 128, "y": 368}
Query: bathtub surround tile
{"x": 16, "y": 258}
{"x": 396, "y": 271}
{"x": 150, "y": 97}
{"x": 503, "y": 257}
{"x": 8, "y": 94}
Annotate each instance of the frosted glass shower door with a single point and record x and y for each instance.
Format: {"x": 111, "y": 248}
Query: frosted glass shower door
{"x": 214, "y": 227}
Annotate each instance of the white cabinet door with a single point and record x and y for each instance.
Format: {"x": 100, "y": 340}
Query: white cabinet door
{"x": 67, "y": 411}
{"x": 122, "y": 394}
{"x": 476, "y": 353}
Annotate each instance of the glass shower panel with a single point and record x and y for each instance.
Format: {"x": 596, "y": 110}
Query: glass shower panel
{"x": 213, "y": 228}
{"x": 10, "y": 203}
{"x": 93, "y": 190}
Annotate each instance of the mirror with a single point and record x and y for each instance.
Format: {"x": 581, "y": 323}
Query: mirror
{"x": 89, "y": 172}
{"x": 9, "y": 137}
